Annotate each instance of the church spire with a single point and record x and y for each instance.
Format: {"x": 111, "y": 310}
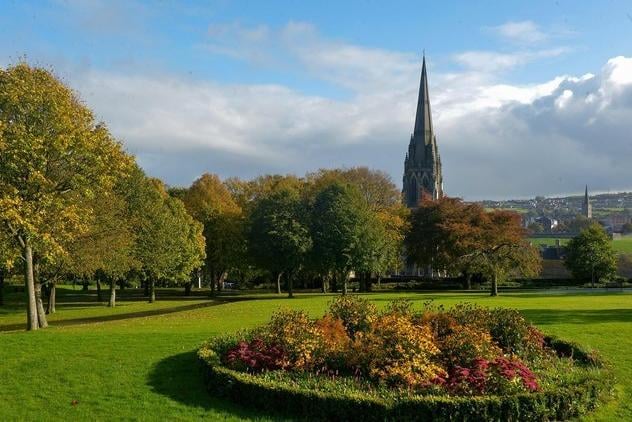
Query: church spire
{"x": 586, "y": 206}
{"x": 423, "y": 119}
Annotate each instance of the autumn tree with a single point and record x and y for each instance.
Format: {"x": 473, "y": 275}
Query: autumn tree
{"x": 53, "y": 156}
{"x": 210, "y": 202}
{"x": 105, "y": 251}
{"x": 500, "y": 248}
{"x": 589, "y": 255}
{"x": 279, "y": 238}
{"x": 8, "y": 259}
{"x": 451, "y": 235}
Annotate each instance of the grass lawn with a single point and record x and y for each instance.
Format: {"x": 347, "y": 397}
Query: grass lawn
{"x": 137, "y": 361}
{"x": 619, "y": 245}
{"x": 623, "y": 245}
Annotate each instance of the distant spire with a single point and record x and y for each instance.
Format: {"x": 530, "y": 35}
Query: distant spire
{"x": 586, "y": 206}
{"x": 423, "y": 119}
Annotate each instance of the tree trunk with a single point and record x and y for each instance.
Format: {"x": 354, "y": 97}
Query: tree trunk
{"x": 222, "y": 279}
{"x": 278, "y": 282}
{"x": 112, "y": 301}
{"x": 29, "y": 282}
{"x": 1, "y": 286}
{"x": 52, "y": 298}
{"x": 152, "y": 290}
{"x": 98, "y": 288}
{"x": 146, "y": 288}
{"x": 494, "y": 285}
{"x": 345, "y": 283}
{"x": 290, "y": 281}
{"x": 41, "y": 312}
{"x": 187, "y": 288}
{"x": 324, "y": 284}
{"x": 334, "y": 283}
{"x": 85, "y": 285}
{"x": 468, "y": 281}
{"x": 367, "y": 282}
{"x": 379, "y": 281}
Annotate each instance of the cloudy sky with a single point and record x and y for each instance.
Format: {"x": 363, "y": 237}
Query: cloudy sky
{"x": 528, "y": 98}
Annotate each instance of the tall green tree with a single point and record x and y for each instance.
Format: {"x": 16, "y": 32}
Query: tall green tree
{"x": 53, "y": 156}
{"x": 169, "y": 242}
{"x": 279, "y": 237}
{"x": 589, "y": 255}
{"x": 338, "y": 223}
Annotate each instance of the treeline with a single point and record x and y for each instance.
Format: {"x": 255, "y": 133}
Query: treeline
{"x": 320, "y": 228}
{"x": 74, "y": 204}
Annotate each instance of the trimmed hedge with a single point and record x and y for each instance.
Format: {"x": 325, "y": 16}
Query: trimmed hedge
{"x": 276, "y": 397}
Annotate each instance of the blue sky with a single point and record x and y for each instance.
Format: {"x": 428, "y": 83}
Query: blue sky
{"x": 533, "y": 89}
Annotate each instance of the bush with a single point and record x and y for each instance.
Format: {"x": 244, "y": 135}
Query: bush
{"x": 465, "y": 363}
{"x": 355, "y": 313}
{"x": 398, "y": 352}
{"x": 278, "y": 394}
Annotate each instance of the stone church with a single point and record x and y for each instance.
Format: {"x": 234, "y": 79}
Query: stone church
{"x": 422, "y": 166}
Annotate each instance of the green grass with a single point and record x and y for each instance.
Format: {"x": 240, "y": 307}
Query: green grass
{"x": 134, "y": 363}
{"x": 623, "y": 245}
{"x": 548, "y": 241}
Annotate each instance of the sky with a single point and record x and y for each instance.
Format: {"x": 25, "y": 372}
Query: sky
{"x": 528, "y": 98}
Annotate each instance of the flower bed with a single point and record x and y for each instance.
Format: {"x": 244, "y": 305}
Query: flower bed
{"x": 464, "y": 363}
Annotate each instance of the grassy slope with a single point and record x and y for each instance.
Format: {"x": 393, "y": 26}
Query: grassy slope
{"x": 619, "y": 245}
{"x": 145, "y": 367}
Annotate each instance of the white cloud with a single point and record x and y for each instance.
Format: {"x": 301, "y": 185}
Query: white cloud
{"x": 526, "y": 32}
{"x": 492, "y": 61}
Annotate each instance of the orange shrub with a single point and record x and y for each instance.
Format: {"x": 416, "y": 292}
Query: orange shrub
{"x": 296, "y": 334}
{"x": 465, "y": 344}
{"x": 397, "y": 351}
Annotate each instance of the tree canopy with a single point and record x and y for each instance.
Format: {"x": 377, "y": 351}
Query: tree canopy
{"x": 589, "y": 255}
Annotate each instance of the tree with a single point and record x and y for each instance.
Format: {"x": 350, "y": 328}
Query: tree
{"x": 279, "y": 238}
{"x": 212, "y": 204}
{"x": 338, "y": 222}
{"x": 53, "y": 156}
{"x": 589, "y": 256}
{"x": 169, "y": 242}
{"x": 106, "y": 250}
{"x": 453, "y": 235}
{"x": 626, "y": 228}
{"x": 386, "y": 217}
{"x": 8, "y": 258}
{"x": 500, "y": 248}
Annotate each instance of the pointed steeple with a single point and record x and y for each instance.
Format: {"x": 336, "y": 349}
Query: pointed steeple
{"x": 586, "y": 206}
{"x": 423, "y": 119}
{"x": 586, "y": 195}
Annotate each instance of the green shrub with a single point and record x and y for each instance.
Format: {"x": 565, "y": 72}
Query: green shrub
{"x": 355, "y": 313}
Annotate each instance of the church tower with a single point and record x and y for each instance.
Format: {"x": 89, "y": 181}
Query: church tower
{"x": 587, "y": 206}
{"x": 422, "y": 166}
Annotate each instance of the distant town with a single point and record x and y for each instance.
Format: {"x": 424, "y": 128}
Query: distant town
{"x": 567, "y": 214}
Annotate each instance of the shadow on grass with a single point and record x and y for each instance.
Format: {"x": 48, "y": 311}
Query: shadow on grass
{"x": 579, "y": 316}
{"x": 117, "y": 317}
{"x": 180, "y": 378}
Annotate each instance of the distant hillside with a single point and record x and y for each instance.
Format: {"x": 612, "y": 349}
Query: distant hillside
{"x": 602, "y": 204}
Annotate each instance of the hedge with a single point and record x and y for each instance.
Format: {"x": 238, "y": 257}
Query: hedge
{"x": 276, "y": 397}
